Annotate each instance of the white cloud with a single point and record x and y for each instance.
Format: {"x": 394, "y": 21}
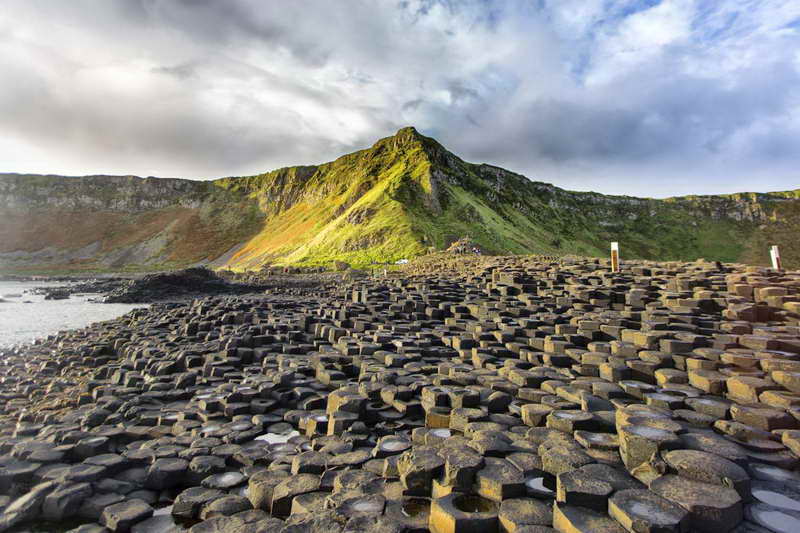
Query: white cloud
{"x": 640, "y": 39}
{"x": 643, "y": 97}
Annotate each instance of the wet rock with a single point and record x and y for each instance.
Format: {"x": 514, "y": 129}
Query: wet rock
{"x": 225, "y": 506}
{"x": 522, "y": 380}
{"x": 778, "y": 494}
{"x": 65, "y": 501}
{"x": 224, "y": 481}
{"x": 26, "y": 507}
{"x": 378, "y": 524}
{"x": 189, "y": 503}
{"x": 166, "y": 473}
{"x": 154, "y": 287}
{"x": 711, "y": 507}
{"x": 93, "y": 507}
{"x": 709, "y": 468}
{"x": 642, "y": 511}
{"x": 120, "y": 517}
{"x": 89, "y": 528}
{"x": 203, "y": 466}
{"x": 774, "y": 519}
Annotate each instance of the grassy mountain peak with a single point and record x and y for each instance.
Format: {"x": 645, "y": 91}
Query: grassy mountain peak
{"x": 407, "y": 195}
{"x": 402, "y": 197}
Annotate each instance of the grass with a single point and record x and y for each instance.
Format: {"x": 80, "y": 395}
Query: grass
{"x": 405, "y": 195}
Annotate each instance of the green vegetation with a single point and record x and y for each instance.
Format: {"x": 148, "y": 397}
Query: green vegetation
{"x": 407, "y": 195}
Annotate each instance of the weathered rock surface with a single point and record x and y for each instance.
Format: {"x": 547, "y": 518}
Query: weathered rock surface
{"x": 526, "y": 396}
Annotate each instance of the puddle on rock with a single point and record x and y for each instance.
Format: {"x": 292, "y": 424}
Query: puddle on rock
{"x": 470, "y": 503}
{"x": 394, "y": 445}
{"x": 645, "y": 509}
{"x": 225, "y": 480}
{"x": 773, "y": 473}
{"x": 776, "y": 499}
{"x": 367, "y": 506}
{"x": 537, "y": 484}
{"x": 205, "y": 430}
{"x": 277, "y": 438}
{"x": 566, "y": 415}
{"x": 416, "y": 507}
{"x": 774, "y": 519}
{"x": 648, "y": 432}
{"x": 162, "y": 521}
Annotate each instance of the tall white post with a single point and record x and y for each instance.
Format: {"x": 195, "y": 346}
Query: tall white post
{"x": 615, "y": 257}
{"x": 775, "y": 255}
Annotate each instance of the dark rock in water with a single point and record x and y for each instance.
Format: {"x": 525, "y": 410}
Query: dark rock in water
{"x": 57, "y": 294}
{"x": 172, "y": 285}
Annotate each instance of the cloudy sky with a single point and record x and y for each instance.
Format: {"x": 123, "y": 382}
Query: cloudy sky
{"x": 641, "y": 97}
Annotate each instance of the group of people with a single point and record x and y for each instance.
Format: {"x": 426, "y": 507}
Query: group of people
{"x": 462, "y": 250}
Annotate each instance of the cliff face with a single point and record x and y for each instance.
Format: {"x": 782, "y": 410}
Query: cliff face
{"x": 113, "y": 193}
{"x": 117, "y": 222}
{"x": 399, "y": 198}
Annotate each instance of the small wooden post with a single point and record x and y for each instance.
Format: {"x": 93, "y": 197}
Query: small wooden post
{"x": 615, "y": 257}
{"x": 775, "y": 255}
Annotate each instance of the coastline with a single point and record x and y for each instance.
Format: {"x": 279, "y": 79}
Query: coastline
{"x": 347, "y": 394}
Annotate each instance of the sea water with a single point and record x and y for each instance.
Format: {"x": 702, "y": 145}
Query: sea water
{"x": 25, "y": 317}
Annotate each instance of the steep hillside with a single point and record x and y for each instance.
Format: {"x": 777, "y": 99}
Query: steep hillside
{"x": 92, "y": 223}
{"x": 400, "y": 198}
{"x": 407, "y": 194}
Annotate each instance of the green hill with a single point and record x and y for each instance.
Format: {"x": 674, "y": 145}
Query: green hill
{"x": 398, "y": 199}
{"x": 407, "y": 193}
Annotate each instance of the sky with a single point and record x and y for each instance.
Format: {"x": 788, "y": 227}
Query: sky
{"x": 645, "y": 97}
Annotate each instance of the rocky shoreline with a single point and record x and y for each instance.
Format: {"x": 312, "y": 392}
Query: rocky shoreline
{"x": 170, "y": 286}
{"x": 489, "y": 394}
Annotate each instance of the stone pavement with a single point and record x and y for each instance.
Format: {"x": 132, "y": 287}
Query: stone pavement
{"x": 515, "y": 395}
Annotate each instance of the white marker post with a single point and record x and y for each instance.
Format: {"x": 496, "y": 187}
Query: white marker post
{"x": 614, "y": 257}
{"x": 775, "y": 255}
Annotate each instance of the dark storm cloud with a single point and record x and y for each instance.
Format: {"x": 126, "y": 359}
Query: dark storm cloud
{"x": 639, "y": 97}
{"x": 183, "y": 71}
